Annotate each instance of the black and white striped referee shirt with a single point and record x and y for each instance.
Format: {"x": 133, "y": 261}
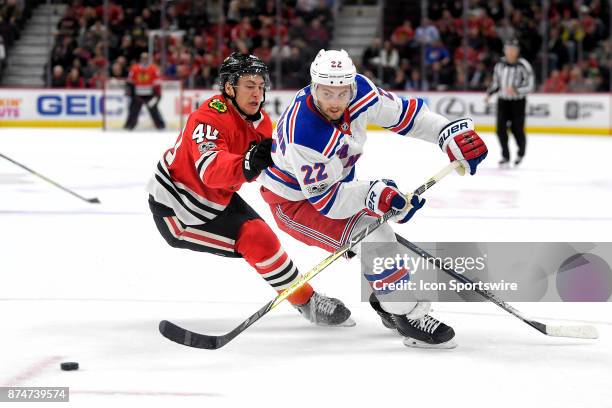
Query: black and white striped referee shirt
{"x": 519, "y": 76}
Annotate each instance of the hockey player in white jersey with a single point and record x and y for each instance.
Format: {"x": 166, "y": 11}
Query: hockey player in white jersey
{"x": 312, "y": 190}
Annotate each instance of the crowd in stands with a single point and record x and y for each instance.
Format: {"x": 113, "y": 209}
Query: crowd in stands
{"x": 13, "y": 17}
{"x": 198, "y": 45}
{"x": 445, "y": 53}
{"x": 438, "y": 51}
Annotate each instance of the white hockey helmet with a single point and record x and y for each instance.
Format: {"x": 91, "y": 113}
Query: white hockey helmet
{"x": 333, "y": 68}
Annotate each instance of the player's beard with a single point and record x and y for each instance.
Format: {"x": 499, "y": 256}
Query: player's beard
{"x": 334, "y": 116}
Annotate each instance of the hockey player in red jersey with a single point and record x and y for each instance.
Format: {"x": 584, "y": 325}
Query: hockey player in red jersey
{"x": 143, "y": 87}
{"x": 193, "y": 193}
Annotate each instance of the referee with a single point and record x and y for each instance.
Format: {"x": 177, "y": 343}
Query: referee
{"x": 512, "y": 79}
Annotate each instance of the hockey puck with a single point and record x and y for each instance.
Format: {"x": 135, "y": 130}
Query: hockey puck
{"x": 69, "y": 366}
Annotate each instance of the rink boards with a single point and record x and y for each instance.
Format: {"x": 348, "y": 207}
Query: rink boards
{"x": 107, "y": 108}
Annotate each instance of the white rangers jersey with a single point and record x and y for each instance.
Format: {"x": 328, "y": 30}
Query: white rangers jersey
{"x": 315, "y": 159}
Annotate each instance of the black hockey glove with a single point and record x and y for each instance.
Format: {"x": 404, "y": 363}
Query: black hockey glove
{"x": 257, "y": 158}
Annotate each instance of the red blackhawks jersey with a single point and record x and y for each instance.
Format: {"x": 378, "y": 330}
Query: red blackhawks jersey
{"x": 146, "y": 79}
{"x": 198, "y": 176}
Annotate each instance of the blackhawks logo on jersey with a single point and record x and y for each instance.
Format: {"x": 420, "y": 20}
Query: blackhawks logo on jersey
{"x": 218, "y": 105}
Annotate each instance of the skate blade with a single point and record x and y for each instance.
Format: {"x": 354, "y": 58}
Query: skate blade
{"x": 410, "y": 342}
{"x": 347, "y": 323}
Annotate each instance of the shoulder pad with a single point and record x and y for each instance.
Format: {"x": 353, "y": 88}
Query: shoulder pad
{"x": 314, "y": 133}
{"x": 367, "y": 95}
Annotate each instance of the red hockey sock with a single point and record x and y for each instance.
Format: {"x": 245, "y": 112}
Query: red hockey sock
{"x": 260, "y": 247}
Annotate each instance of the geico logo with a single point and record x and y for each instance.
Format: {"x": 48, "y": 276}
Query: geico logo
{"x": 78, "y": 105}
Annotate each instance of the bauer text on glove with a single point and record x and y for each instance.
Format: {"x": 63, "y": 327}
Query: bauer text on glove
{"x": 459, "y": 140}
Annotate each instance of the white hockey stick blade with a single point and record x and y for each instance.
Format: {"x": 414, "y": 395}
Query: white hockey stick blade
{"x": 578, "y": 332}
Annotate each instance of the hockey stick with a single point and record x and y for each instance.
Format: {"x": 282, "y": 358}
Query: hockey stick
{"x": 192, "y": 339}
{"x": 579, "y": 331}
{"x": 94, "y": 200}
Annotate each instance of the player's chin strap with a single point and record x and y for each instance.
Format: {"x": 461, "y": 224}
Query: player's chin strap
{"x": 251, "y": 118}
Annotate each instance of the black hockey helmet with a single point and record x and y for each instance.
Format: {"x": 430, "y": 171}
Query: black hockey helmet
{"x": 237, "y": 65}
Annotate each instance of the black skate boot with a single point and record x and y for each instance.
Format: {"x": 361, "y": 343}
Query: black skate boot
{"x": 425, "y": 332}
{"x": 518, "y": 161}
{"x": 325, "y": 311}
{"x": 385, "y": 317}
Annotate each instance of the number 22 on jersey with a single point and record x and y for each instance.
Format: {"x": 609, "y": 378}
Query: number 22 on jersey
{"x": 309, "y": 170}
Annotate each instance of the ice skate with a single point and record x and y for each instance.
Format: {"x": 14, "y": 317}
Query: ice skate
{"x": 518, "y": 161}
{"x": 385, "y": 317}
{"x": 504, "y": 163}
{"x": 426, "y": 332}
{"x": 325, "y": 311}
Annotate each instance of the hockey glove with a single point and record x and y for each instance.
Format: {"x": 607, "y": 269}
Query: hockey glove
{"x": 256, "y": 159}
{"x": 459, "y": 140}
{"x": 383, "y": 195}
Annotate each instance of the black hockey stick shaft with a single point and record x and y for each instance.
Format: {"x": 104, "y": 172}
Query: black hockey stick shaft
{"x": 94, "y": 200}
{"x": 192, "y": 339}
{"x": 558, "y": 331}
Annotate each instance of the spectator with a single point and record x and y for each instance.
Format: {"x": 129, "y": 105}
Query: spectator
{"x": 399, "y": 80}
{"x": 264, "y": 52}
{"x": 206, "y": 76}
{"x": 268, "y": 9}
{"x": 241, "y": 9}
{"x": 323, "y": 12}
{"x": 68, "y": 24}
{"x": 403, "y": 34}
{"x": 98, "y": 31}
{"x": 577, "y": 82}
{"x": 317, "y": 35}
{"x": 472, "y": 56}
{"x": 304, "y": 8}
{"x": 558, "y": 55}
{"x": 63, "y": 53}
{"x": 427, "y": 33}
{"x": 98, "y": 80}
{"x": 555, "y": 83}
{"x": 480, "y": 78}
{"x": 505, "y": 31}
{"x": 58, "y": 79}
{"x": 117, "y": 71}
{"x": 389, "y": 61}
{"x": 436, "y": 52}
{"x": 296, "y": 76}
{"x": 370, "y": 56}
{"x": 414, "y": 83}
{"x": 243, "y": 32}
{"x": 150, "y": 18}
{"x": 282, "y": 50}
{"x": 99, "y": 60}
{"x": 74, "y": 79}
{"x": 297, "y": 29}
{"x": 7, "y": 33}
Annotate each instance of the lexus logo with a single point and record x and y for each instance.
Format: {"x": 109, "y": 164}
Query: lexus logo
{"x": 452, "y": 106}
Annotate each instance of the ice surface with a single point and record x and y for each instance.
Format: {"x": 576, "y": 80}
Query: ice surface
{"x": 89, "y": 283}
